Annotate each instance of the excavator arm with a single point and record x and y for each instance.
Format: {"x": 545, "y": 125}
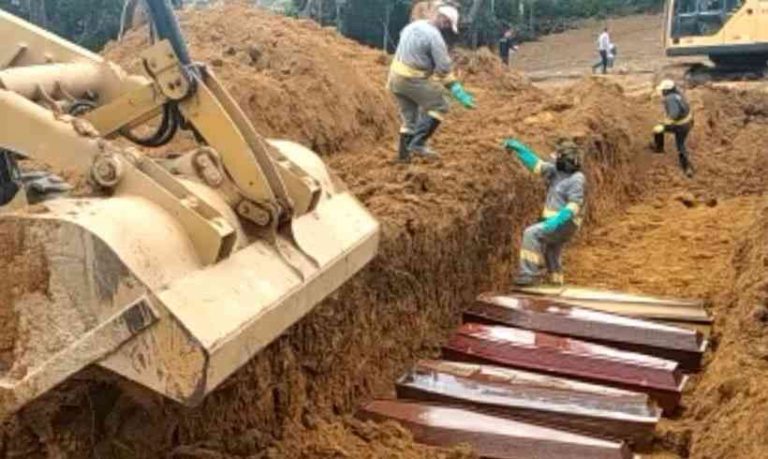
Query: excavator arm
{"x": 172, "y": 271}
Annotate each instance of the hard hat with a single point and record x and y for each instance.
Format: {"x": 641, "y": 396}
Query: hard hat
{"x": 666, "y": 85}
{"x": 452, "y": 14}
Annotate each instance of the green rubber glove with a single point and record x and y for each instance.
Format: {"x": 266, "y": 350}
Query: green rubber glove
{"x": 460, "y": 94}
{"x": 524, "y": 153}
{"x": 553, "y": 223}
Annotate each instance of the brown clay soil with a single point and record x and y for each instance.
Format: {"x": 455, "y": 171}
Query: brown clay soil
{"x": 324, "y": 91}
{"x": 451, "y": 230}
{"x": 706, "y": 239}
{"x": 23, "y": 271}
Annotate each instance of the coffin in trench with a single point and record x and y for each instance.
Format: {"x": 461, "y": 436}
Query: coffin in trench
{"x": 490, "y": 436}
{"x": 682, "y": 345}
{"x": 555, "y": 355}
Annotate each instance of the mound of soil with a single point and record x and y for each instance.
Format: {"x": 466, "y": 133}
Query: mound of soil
{"x": 292, "y": 78}
{"x": 451, "y": 230}
{"x": 727, "y": 418}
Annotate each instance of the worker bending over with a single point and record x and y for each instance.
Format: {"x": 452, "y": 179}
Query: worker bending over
{"x": 543, "y": 242}
{"x": 679, "y": 121}
{"x": 421, "y": 55}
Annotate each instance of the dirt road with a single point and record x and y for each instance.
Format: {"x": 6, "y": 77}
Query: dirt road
{"x": 638, "y": 39}
{"x": 562, "y": 59}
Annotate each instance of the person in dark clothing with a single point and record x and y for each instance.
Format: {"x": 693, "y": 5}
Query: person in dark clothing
{"x": 679, "y": 121}
{"x": 507, "y": 46}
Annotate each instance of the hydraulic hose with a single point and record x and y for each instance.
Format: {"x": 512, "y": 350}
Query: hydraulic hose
{"x": 164, "y": 133}
{"x": 167, "y": 28}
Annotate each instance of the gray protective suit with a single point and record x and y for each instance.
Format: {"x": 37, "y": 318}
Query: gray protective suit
{"x": 542, "y": 249}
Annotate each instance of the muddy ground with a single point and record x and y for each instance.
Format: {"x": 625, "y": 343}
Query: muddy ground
{"x": 451, "y": 230}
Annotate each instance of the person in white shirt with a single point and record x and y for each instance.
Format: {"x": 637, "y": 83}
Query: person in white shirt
{"x": 604, "y": 48}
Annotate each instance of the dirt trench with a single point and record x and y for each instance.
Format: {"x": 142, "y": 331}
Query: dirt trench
{"x": 451, "y": 230}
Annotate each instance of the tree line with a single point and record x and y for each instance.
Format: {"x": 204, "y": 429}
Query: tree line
{"x": 92, "y": 23}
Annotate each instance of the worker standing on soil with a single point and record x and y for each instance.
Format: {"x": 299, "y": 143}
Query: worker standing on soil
{"x": 543, "y": 242}
{"x": 421, "y": 55}
{"x": 603, "y": 48}
{"x": 679, "y": 121}
{"x": 507, "y": 46}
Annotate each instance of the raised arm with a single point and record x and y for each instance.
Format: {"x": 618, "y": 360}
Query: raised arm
{"x": 528, "y": 158}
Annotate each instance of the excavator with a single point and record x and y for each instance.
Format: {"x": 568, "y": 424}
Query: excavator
{"x": 732, "y": 34}
{"x": 171, "y": 270}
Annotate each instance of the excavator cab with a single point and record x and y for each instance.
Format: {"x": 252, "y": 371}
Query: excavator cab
{"x": 171, "y": 271}
{"x": 731, "y": 33}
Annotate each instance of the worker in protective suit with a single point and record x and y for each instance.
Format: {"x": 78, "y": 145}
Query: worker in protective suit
{"x": 679, "y": 121}
{"x": 422, "y": 55}
{"x": 542, "y": 245}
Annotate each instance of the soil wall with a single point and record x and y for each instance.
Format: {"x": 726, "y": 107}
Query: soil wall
{"x": 451, "y": 230}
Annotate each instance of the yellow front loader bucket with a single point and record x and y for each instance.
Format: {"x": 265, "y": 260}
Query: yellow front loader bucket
{"x": 116, "y": 282}
{"x": 173, "y": 273}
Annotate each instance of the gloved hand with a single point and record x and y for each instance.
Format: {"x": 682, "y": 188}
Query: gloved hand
{"x": 556, "y": 221}
{"x": 524, "y": 153}
{"x": 516, "y": 145}
{"x": 460, "y": 94}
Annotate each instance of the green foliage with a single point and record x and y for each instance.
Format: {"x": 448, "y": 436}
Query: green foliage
{"x": 90, "y": 23}
{"x": 536, "y": 17}
{"x": 593, "y": 8}
{"x": 375, "y": 22}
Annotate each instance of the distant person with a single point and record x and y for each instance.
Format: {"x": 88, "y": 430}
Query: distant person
{"x": 679, "y": 121}
{"x": 542, "y": 246}
{"x": 612, "y": 55}
{"x": 507, "y": 46}
{"x": 603, "y": 48}
{"x": 422, "y": 56}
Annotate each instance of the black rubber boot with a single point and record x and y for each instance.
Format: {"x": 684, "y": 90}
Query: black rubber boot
{"x": 403, "y": 155}
{"x": 658, "y": 142}
{"x": 426, "y": 129}
{"x": 686, "y": 166}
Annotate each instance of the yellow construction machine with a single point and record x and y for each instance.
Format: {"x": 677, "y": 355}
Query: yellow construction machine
{"x": 733, "y": 34}
{"x": 171, "y": 272}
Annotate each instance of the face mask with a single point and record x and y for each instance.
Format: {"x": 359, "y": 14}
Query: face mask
{"x": 565, "y": 164}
